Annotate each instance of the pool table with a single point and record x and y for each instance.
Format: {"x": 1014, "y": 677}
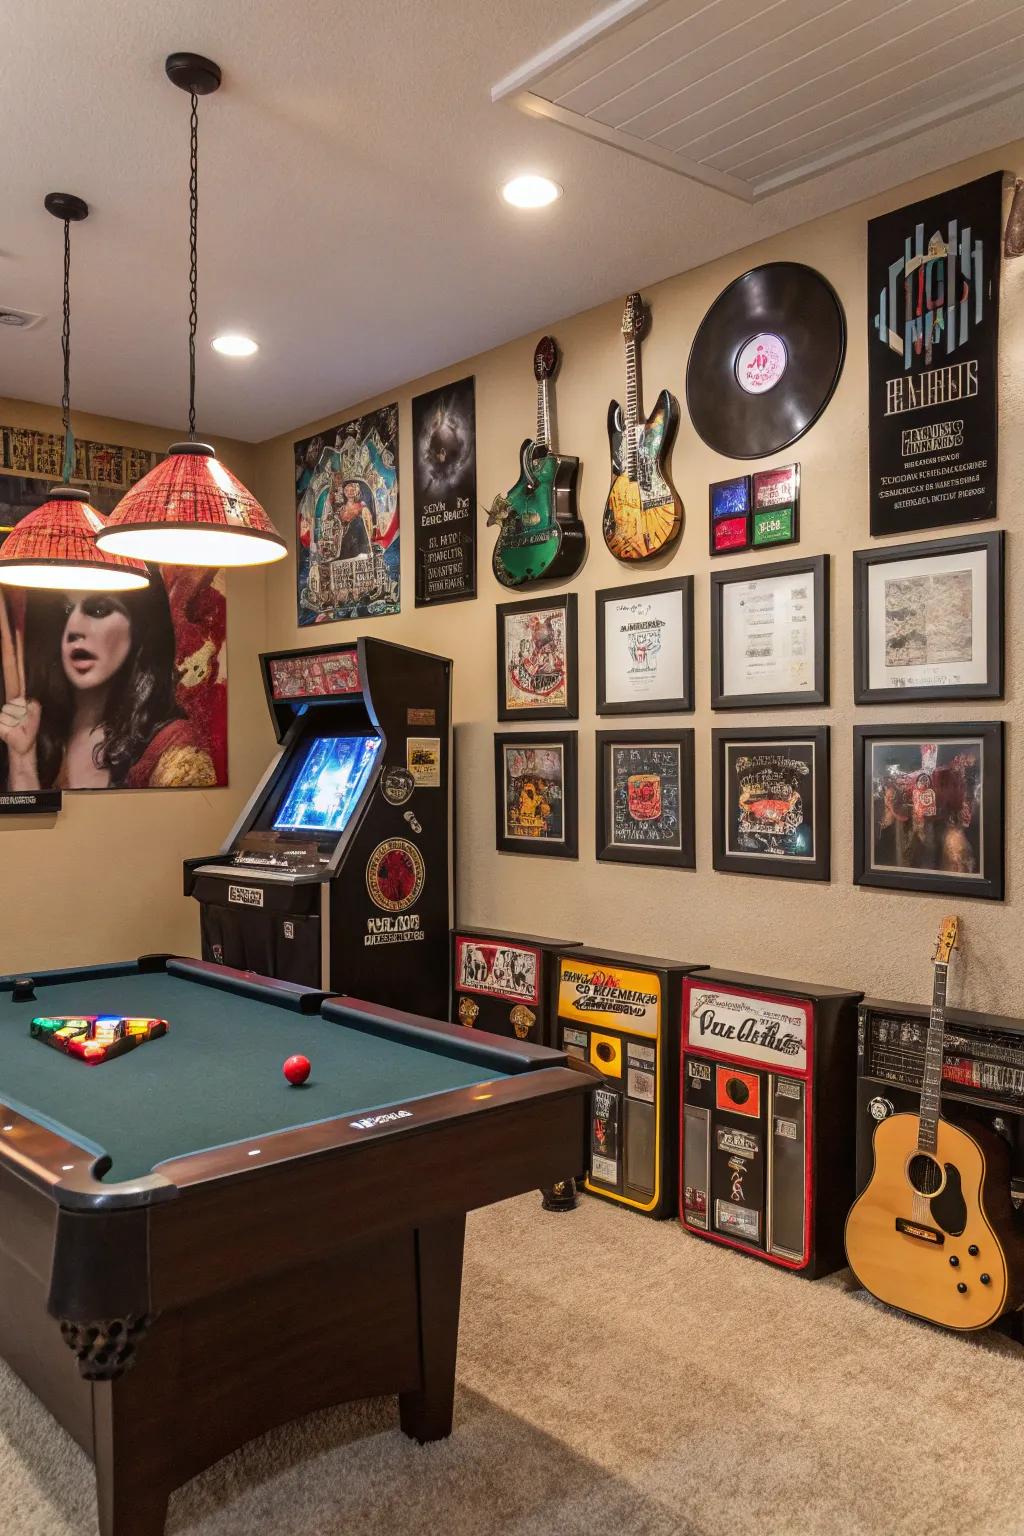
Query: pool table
{"x": 192, "y": 1250}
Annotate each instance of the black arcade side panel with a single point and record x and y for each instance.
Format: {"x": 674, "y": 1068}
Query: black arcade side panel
{"x": 502, "y": 982}
{"x": 766, "y": 1147}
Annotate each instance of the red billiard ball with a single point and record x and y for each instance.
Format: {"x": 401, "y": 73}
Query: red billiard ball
{"x": 296, "y": 1069}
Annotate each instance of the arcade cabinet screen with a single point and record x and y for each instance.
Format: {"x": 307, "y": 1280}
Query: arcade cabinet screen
{"x": 330, "y": 779}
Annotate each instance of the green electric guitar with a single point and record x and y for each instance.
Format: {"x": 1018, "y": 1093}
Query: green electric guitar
{"x": 541, "y": 536}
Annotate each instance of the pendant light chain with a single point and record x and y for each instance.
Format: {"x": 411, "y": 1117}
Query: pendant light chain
{"x": 193, "y": 288}
{"x": 69, "y": 441}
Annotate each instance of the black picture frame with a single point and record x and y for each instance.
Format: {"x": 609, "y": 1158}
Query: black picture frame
{"x": 680, "y": 741}
{"x": 872, "y": 871}
{"x": 571, "y": 708}
{"x": 817, "y": 567}
{"x": 663, "y": 705}
{"x": 781, "y": 866}
{"x": 993, "y": 544}
{"x": 566, "y": 847}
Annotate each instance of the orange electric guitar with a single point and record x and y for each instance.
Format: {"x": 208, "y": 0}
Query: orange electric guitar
{"x": 934, "y": 1232}
{"x": 643, "y": 514}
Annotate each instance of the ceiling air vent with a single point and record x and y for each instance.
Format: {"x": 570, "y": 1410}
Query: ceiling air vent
{"x": 18, "y": 319}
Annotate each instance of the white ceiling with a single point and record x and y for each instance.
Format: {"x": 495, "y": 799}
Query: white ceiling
{"x": 349, "y": 214}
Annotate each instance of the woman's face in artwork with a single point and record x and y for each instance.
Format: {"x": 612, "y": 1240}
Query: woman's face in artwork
{"x": 97, "y": 639}
{"x": 351, "y": 489}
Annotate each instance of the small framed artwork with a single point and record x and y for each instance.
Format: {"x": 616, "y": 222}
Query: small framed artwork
{"x": 645, "y": 648}
{"x": 769, "y": 635}
{"x": 729, "y": 515}
{"x": 645, "y": 797}
{"x": 775, "y": 506}
{"x": 771, "y": 805}
{"x": 928, "y": 620}
{"x": 537, "y": 659}
{"x": 928, "y": 807}
{"x": 535, "y": 804}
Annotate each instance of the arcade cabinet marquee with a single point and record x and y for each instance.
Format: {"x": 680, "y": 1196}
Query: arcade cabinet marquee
{"x": 341, "y": 861}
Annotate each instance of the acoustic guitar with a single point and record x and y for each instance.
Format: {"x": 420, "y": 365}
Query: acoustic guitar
{"x": 643, "y": 514}
{"x": 934, "y": 1232}
{"x": 541, "y": 535}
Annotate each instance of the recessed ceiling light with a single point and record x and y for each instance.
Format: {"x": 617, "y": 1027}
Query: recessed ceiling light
{"x": 530, "y": 191}
{"x": 233, "y": 345}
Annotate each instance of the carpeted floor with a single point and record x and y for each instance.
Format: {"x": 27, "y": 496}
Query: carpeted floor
{"x": 617, "y": 1377}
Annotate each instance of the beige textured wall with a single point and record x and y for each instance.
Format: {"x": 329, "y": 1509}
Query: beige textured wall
{"x": 877, "y": 940}
{"x": 102, "y": 881}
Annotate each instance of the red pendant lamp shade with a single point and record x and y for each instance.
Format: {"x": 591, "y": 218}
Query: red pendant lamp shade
{"x": 191, "y": 510}
{"x": 55, "y": 547}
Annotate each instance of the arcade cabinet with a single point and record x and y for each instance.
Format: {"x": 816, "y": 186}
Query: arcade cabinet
{"x": 338, "y": 873}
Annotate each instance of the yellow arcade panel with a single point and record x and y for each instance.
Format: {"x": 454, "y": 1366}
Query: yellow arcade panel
{"x": 620, "y": 1013}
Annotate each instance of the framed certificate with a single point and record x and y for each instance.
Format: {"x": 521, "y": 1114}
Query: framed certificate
{"x": 928, "y": 620}
{"x": 645, "y": 648}
{"x": 645, "y": 797}
{"x": 769, "y": 635}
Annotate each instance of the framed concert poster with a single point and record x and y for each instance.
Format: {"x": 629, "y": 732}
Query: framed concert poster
{"x": 645, "y": 797}
{"x": 444, "y": 493}
{"x": 537, "y": 659}
{"x": 933, "y": 333}
{"x": 535, "y": 806}
{"x": 928, "y": 620}
{"x": 769, "y": 635}
{"x": 928, "y": 807}
{"x": 645, "y": 648}
{"x": 770, "y": 800}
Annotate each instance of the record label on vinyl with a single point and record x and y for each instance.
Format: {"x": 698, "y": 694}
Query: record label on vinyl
{"x": 765, "y": 360}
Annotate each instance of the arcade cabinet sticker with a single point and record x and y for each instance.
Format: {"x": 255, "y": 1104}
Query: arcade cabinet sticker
{"x": 395, "y": 876}
{"x": 933, "y": 328}
{"x": 444, "y": 493}
{"x": 499, "y": 970}
{"x": 603, "y": 994}
{"x": 346, "y": 493}
{"x": 766, "y": 1029}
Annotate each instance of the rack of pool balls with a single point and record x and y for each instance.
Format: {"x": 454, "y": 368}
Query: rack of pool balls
{"x": 96, "y": 1037}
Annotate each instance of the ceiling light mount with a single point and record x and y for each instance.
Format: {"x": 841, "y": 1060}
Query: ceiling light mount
{"x": 192, "y": 73}
{"x": 66, "y": 206}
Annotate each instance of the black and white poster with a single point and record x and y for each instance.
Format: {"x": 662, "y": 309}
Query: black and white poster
{"x": 933, "y": 328}
{"x": 444, "y": 493}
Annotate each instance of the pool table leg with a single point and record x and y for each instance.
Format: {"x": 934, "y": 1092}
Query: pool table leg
{"x": 426, "y": 1413}
{"x": 131, "y": 1495}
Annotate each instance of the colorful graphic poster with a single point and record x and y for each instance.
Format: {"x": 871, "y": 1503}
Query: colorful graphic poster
{"x": 536, "y": 658}
{"x": 534, "y": 793}
{"x": 346, "y": 490}
{"x": 444, "y": 493}
{"x": 769, "y": 800}
{"x": 112, "y": 690}
{"x": 933, "y": 329}
{"x": 501, "y": 970}
{"x": 645, "y": 796}
{"x": 926, "y": 806}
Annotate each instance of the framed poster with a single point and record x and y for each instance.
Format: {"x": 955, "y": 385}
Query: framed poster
{"x": 928, "y": 807}
{"x": 535, "y": 793}
{"x": 933, "y": 330}
{"x": 769, "y": 635}
{"x": 537, "y": 659}
{"x": 444, "y": 493}
{"x": 347, "y": 545}
{"x": 770, "y": 799}
{"x": 645, "y": 797}
{"x": 645, "y": 648}
{"x": 928, "y": 620}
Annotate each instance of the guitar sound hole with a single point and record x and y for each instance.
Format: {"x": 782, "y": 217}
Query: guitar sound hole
{"x": 924, "y": 1173}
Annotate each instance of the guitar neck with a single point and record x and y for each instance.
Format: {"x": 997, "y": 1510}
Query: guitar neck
{"x": 931, "y": 1086}
{"x": 632, "y": 405}
{"x": 543, "y": 438}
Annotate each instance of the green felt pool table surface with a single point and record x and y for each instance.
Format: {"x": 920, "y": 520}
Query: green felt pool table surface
{"x": 213, "y": 1079}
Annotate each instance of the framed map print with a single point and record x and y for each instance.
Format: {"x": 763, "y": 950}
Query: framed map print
{"x": 535, "y": 793}
{"x": 770, "y": 798}
{"x": 769, "y": 635}
{"x": 928, "y": 807}
{"x": 537, "y": 659}
{"x": 645, "y": 797}
{"x": 645, "y": 648}
{"x": 928, "y": 620}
